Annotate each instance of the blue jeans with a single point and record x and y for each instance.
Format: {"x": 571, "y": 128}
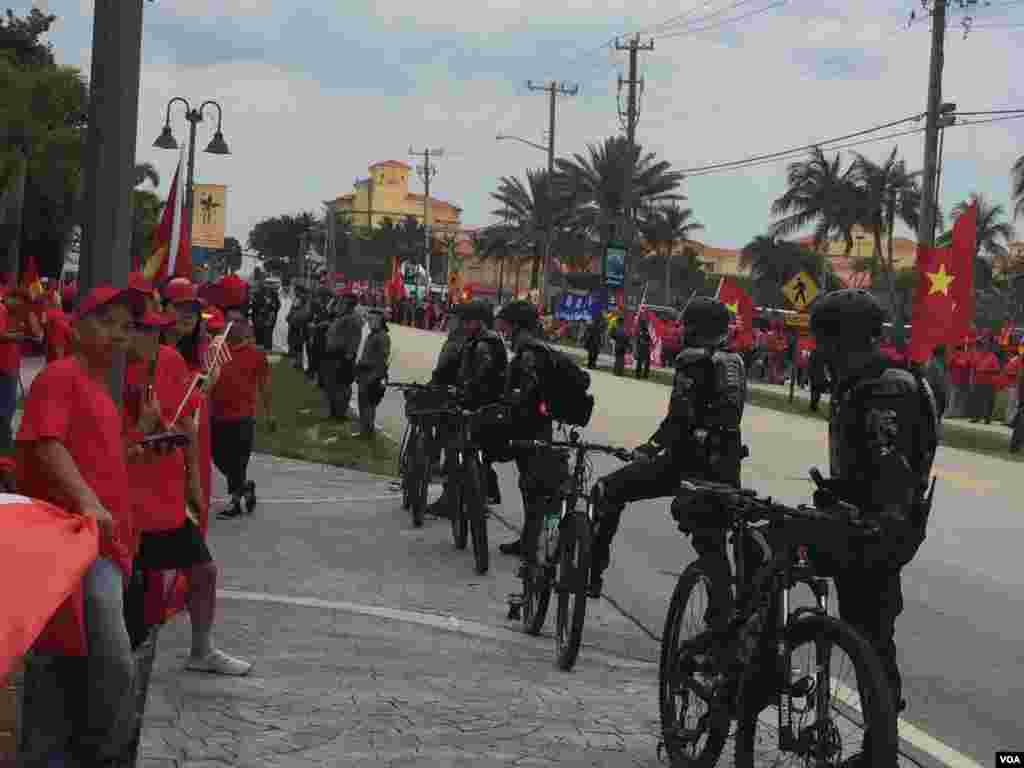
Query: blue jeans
{"x": 98, "y": 722}
{"x": 8, "y": 404}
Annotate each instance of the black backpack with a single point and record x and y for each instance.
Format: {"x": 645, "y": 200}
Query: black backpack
{"x": 566, "y": 388}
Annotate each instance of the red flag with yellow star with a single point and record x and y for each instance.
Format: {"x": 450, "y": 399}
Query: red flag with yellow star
{"x": 944, "y": 301}
{"x": 742, "y": 308}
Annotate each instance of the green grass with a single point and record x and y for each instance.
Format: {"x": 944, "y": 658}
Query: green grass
{"x": 306, "y": 432}
{"x": 954, "y": 435}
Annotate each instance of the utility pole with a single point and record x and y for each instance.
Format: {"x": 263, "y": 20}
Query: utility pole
{"x": 926, "y": 229}
{"x": 634, "y": 47}
{"x": 426, "y": 172}
{"x": 553, "y": 90}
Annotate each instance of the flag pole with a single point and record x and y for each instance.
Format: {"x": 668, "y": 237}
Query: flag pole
{"x": 172, "y": 256}
{"x": 718, "y": 291}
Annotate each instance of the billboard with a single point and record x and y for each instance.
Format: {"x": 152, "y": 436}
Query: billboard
{"x": 208, "y": 216}
{"x": 616, "y": 261}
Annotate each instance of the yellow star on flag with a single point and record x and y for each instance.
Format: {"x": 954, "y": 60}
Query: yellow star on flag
{"x": 734, "y": 307}
{"x": 941, "y": 281}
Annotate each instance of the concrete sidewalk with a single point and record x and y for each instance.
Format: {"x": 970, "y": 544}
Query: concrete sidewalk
{"x": 375, "y": 644}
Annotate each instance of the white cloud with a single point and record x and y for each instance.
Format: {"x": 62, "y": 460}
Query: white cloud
{"x": 296, "y": 143}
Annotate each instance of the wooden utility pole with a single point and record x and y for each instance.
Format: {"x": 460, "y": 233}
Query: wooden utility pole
{"x": 634, "y": 47}
{"x": 926, "y": 228}
{"x": 427, "y": 172}
{"x": 554, "y": 90}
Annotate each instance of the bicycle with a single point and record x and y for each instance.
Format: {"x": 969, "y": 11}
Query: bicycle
{"x": 416, "y": 452}
{"x": 563, "y": 553}
{"x": 469, "y": 514}
{"x": 743, "y": 663}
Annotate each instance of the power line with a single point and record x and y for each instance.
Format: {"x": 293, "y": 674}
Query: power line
{"x": 724, "y": 22}
{"x": 806, "y": 147}
{"x": 862, "y": 142}
{"x": 681, "y": 20}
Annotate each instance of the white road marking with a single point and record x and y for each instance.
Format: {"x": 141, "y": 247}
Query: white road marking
{"x": 322, "y": 500}
{"x": 909, "y": 733}
{"x": 435, "y": 621}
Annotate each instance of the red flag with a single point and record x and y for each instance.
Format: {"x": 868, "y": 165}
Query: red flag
{"x": 44, "y": 553}
{"x": 742, "y": 308}
{"x": 30, "y": 278}
{"x": 158, "y": 266}
{"x": 395, "y": 287}
{"x": 944, "y": 300}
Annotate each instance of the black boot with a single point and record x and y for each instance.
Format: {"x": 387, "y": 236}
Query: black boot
{"x": 511, "y": 547}
{"x": 235, "y": 510}
{"x": 250, "y": 497}
{"x": 493, "y": 489}
{"x": 442, "y": 507}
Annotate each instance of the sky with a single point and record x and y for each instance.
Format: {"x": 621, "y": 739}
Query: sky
{"x": 315, "y": 92}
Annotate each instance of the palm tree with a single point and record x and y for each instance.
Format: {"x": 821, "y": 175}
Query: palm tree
{"x": 532, "y": 208}
{"x": 888, "y": 193}
{"x": 146, "y": 172}
{"x": 994, "y": 232}
{"x": 820, "y": 194}
{"x": 665, "y": 227}
{"x": 596, "y": 185}
{"x": 146, "y": 209}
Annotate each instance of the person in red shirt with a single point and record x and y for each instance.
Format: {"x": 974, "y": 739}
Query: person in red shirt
{"x": 986, "y": 374}
{"x": 71, "y": 453}
{"x": 16, "y": 326}
{"x": 1010, "y": 377}
{"x": 57, "y": 329}
{"x": 167, "y": 495}
{"x": 244, "y": 380}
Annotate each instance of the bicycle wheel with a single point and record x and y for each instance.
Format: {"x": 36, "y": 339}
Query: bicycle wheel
{"x": 473, "y": 510}
{"x": 835, "y": 713}
{"x": 460, "y": 526}
{"x": 419, "y": 479}
{"x": 403, "y": 463}
{"x": 693, "y": 730}
{"x": 536, "y": 597}
{"x": 571, "y": 587}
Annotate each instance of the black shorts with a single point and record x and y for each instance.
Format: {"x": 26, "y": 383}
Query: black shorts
{"x": 173, "y": 550}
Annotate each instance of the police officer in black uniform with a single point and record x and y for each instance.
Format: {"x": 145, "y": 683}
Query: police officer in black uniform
{"x": 700, "y": 436}
{"x": 818, "y": 377}
{"x": 480, "y": 375}
{"x": 542, "y": 471}
{"x": 316, "y": 333}
{"x": 882, "y": 442}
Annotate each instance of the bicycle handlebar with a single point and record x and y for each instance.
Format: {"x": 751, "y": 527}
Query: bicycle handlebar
{"x": 766, "y": 508}
{"x": 622, "y": 454}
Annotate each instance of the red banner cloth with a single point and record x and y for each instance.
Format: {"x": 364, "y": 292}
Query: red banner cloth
{"x": 44, "y": 553}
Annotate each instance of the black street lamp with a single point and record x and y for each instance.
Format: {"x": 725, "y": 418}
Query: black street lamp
{"x": 217, "y": 146}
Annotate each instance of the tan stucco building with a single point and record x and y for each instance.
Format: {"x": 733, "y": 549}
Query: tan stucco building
{"x": 384, "y": 194}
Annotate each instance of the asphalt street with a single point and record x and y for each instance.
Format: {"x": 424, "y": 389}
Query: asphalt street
{"x": 960, "y": 632}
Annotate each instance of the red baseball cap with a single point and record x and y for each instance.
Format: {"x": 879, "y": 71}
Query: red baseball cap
{"x": 104, "y": 295}
{"x": 181, "y": 290}
{"x": 157, "y": 320}
{"x": 214, "y": 319}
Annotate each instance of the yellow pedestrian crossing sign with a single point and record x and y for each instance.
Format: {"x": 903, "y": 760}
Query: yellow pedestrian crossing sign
{"x": 800, "y": 290}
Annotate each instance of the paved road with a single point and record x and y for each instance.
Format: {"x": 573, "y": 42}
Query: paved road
{"x": 962, "y": 625}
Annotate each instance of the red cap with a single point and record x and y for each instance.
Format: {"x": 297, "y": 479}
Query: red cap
{"x": 103, "y": 295}
{"x": 138, "y": 282}
{"x": 157, "y": 320}
{"x": 181, "y": 290}
{"x": 70, "y": 291}
{"x": 214, "y": 319}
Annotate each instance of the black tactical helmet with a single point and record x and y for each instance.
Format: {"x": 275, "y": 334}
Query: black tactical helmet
{"x": 520, "y": 314}
{"x": 848, "y": 312}
{"x": 476, "y": 310}
{"x": 705, "y": 322}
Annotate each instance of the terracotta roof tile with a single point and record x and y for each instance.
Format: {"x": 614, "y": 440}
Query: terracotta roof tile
{"x": 391, "y": 164}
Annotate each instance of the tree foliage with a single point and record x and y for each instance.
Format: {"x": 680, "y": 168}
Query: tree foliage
{"x": 281, "y": 237}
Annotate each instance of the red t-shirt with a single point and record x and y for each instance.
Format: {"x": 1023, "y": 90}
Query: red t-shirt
{"x": 986, "y": 368}
{"x": 10, "y": 351}
{"x": 58, "y": 333}
{"x": 234, "y": 395}
{"x": 158, "y": 486}
{"x": 66, "y": 405}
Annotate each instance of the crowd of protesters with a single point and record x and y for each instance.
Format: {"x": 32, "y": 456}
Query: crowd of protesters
{"x": 141, "y": 469}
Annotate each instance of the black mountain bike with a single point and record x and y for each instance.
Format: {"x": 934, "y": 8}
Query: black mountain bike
{"x": 564, "y": 553}
{"x": 468, "y": 510}
{"x": 419, "y": 441}
{"x": 744, "y": 659}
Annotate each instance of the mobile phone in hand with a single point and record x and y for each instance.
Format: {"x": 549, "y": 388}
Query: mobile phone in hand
{"x": 165, "y": 440}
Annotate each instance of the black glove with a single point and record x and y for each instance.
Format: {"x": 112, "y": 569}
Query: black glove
{"x": 647, "y": 451}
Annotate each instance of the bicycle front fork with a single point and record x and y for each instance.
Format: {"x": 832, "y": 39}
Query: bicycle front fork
{"x": 805, "y": 684}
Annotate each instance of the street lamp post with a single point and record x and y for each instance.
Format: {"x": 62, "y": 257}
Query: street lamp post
{"x": 550, "y": 152}
{"x": 217, "y": 146}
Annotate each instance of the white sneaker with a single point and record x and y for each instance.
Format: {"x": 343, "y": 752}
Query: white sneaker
{"x": 219, "y": 663}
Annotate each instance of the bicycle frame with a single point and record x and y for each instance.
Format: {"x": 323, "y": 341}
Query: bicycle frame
{"x": 785, "y": 567}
